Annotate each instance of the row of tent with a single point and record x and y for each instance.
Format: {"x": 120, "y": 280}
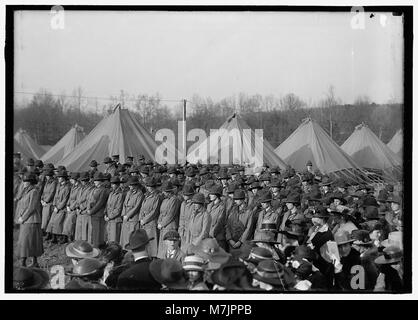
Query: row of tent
{"x": 120, "y": 133}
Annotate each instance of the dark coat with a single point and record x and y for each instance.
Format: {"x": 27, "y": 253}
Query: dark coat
{"x": 138, "y": 277}
{"x": 343, "y": 278}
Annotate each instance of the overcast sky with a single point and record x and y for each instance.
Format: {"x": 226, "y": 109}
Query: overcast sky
{"x": 210, "y": 54}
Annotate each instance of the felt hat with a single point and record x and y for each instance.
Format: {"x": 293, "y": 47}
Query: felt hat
{"x": 231, "y": 188}
{"x": 62, "y": 174}
{"x": 74, "y": 175}
{"x": 326, "y": 181}
{"x": 371, "y": 213}
{"x": 265, "y": 237}
{"x": 30, "y": 162}
{"x": 188, "y": 190}
{"x": 268, "y": 226}
{"x": 99, "y": 176}
{"x": 391, "y": 255}
{"x": 172, "y": 170}
{"x": 309, "y": 163}
{"x": 115, "y": 180}
{"x": 239, "y": 194}
{"x": 84, "y": 176}
{"x": 198, "y": 198}
{"x": 39, "y": 163}
{"x": 304, "y": 252}
{"x": 292, "y": 198}
{"x": 339, "y": 196}
{"x": 210, "y": 250}
{"x": 150, "y": 182}
{"x": 269, "y": 271}
{"x": 87, "y": 267}
{"x": 258, "y": 254}
{"x": 29, "y": 177}
{"x": 168, "y": 186}
{"x": 395, "y": 199}
{"x": 342, "y": 237}
{"x": 321, "y": 213}
{"x": 369, "y": 201}
{"x": 383, "y": 196}
{"x": 144, "y": 169}
{"x": 137, "y": 239}
{"x": 266, "y": 197}
{"x": 29, "y": 278}
{"x": 229, "y": 274}
{"x": 216, "y": 190}
{"x": 81, "y": 249}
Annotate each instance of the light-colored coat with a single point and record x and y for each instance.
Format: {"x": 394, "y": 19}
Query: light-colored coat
{"x": 96, "y": 205}
{"x": 47, "y": 197}
{"x": 60, "y": 203}
{"x": 130, "y": 209}
{"x": 148, "y": 216}
{"x": 198, "y": 227}
{"x": 168, "y": 219}
{"x": 113, "y": 211}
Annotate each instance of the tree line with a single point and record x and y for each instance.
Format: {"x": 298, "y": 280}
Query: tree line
{"x": 47, "y": 117}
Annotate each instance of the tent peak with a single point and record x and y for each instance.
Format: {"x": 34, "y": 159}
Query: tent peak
{"x": 361, "y": 125}
{"x": 118, "y": 106}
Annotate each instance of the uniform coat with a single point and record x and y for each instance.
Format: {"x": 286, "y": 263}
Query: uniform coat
{"x": 113, "y": 211}
{"x": 198, "y": 227}
{"x": 131, "y": 206}
{"x": 96, "y": 205}
{"x": 239, "y": 225}
{"x": 30, "y": 235}
{"x": 148, "y": 215}
{"x": 184, "y": 220}
{"x": 81, "y": 224}
{"x": 288, "y": 217}
{"x": 268, "y": 214}
{"x": 61, "y": 197}
{"x": 168, "y": 219}
{"x": 218, "y": 222}
{"x": 138, "y": 277}
{"x": 176, "y": 255}
{"x": 47, "y": 197}
{"x": 72, "y": 205}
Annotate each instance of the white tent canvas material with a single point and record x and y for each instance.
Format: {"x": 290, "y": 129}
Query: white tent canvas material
{"x": 28, "y": 144}
{"x": 24, "y": 154}
{"x": 235, "y": 143}
{"x": 64, "y": 146}
{"x": 310, "y": 142}
{"x": 369, "y": 151}
{"x": 119, "y": 133}
{"x": 396, "y": 143}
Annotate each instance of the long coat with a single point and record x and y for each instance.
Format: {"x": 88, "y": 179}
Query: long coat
{"x": 96, "y": 205}
{"x": 268, "y": 214}
{"x": 218, "y": 222}
{"x": 198, "y": 227}
{"x": 168, "y": 219}
{"x": 30, "y": 235}
{"x": 82, "y": 220}
{"x": 130, "y": 209}
{"x": 72, "y": 206}
{"x": 240, "y": 224}
{"x": 113, "y": 211}
{"x": 47, "y": 197}
{"x": 184, "y": 220}
{"x": 61, "y": 197}
{"x": 288, "y": 218}
{"x": 148, "y": 216}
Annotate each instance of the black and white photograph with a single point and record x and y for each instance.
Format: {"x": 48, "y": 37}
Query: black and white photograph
{"x": 208, "y": 150}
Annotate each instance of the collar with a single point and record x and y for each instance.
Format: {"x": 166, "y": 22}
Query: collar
{"x": 140, "y": 256}
{"x": 324, "y": 228}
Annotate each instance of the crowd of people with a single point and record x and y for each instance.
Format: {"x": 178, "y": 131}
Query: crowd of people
{"x": 149, "y": 227}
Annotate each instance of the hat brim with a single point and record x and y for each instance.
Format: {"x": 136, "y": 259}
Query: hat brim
{"x": 345, "y": 242}
{"x": 265, "y": 241}
{"x": 383, "y": 260}
{"x": 70, "y": 252}
{"x": 273, "y": 281}
{"x": 128, "y": 246}
{"x": 40, "y": 279}
{"x": 361, "y": 243}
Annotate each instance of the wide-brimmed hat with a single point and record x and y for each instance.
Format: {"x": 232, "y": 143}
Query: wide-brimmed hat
{"x": 229, "y": 274}
{"x": 93, "y": 163}
{"x": 342, "y": 237}
{"x": 87, "y": 267}
{"x": 394, "y": 238}
{"x": 266, "y": 197}
{"x": 369, "y": 201}
{"x": 391, "y": 255}
{"x": 29, "y": 278}
{"x": 314, "y": 196}
{"x": 269, "y": 271}
{"x": 190, "y": 172}
{"x": 168, "y": 186}
{"x": 382, "y": 196}
{"x": 48, "y": 172}
{"x": 150, "y": 182}
{"x": 81, "y": 249}
{"x": 216, "y": 190}
{"x": 210, "y": 250}
{"x": 99, "y": 176}
{"x": 168, "y": 272}
{"x": 74, "y": 175}
{"x": 30, "y": 162}
{"x": 188, "y": 190}
{"x": 115, "y": 180}
{"x": 291, "y": 234}
{"x": 62, "y": 174}
{"x": 133, "y": 181}
{"x": 137, "y": 239}
{"x": 107, "y": 160}
{"x": 171, "y": 235}
{"x": 239, "y": 194}
{"x": 193, "y": 263}
{"x": 292, "y": 198}
{"x": 258, "y": 254}
{"x": 361, "y": 237}
{"x": 371, "y": 213}
{"x": 84, "y": 176}
{"x": 231, "y": 188}
{"x": 198, "y": 198}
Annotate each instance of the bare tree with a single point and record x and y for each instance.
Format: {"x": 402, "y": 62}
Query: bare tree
{"x": 291, "y": 102}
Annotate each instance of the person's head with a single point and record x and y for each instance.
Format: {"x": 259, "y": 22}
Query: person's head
{"x": 193, "y": 268}
{"x": 172, "y": 239}
{"x": 344, "y": 249}
{"x": 265, "y": 205}
{"x": 29, "y": 179}
{"x": 290, "y": 205}
{"x": 97, "y": 183}
{"x": 337, "y": 202}
{"x": 198, "y": 201}
{"x": 395, "y": 206}
{"x": 320, "y": 217}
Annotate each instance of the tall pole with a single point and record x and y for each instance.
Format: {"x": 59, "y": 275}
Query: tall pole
{"x": 184, "y": 130}
{"x": 330, "y": 123}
